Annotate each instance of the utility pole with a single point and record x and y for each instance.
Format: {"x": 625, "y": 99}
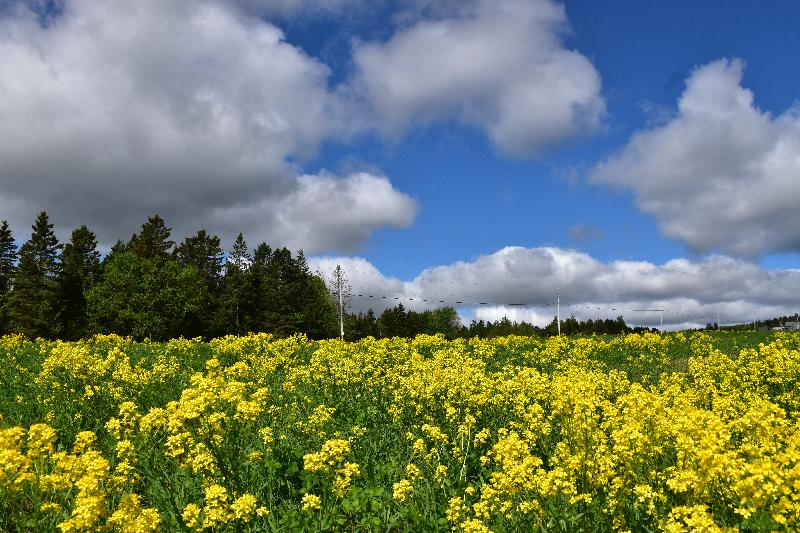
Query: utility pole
{"x": 339, "y": 290}
{"x": 558, "y": 310}
{"x": 661, "y": 327}
{"x": 718, "y": 321}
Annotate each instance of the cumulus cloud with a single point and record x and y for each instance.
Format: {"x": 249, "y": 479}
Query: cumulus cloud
{"x": 498, "y": 66}
{"x": 327, "y": 212}
{"x": 521, "y": 282}
{"x": 721, "y": 174}
{"x": 114, "y": 110}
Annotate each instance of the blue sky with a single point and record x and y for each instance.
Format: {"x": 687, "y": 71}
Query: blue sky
{"x": 636, "y": 154}
{"x": 475, "y": 201}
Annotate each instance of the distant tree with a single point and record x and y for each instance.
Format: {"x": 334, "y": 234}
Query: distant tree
{"x": 361, "y": 325}
{"x": 570, "y": 326}
{"x": 33, "y": 304}
{"x": 393, "y": 322}
{"x": 8, "y": 262}
{"x": 146, "y": 298}
{"x": 80, "y": 272}
{"x": 152, "y": 241}
{"x": 117, "y": 248}
{"x": 445, "y": 321}
{"x": 235, "y": 294}
{"x": 203, "y": 251}
{"x": 319, "y": 313}
{"x": 282, "y": 306}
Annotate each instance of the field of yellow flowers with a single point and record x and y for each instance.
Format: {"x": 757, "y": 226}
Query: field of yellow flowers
{"x": 674, "y": 432}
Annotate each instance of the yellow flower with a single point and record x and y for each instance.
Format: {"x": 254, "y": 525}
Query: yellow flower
{"x": 244, "y": 507}
{"x": 401, "y": 490}
{"x": 311, "y": 502}
{"x": 41, "y": 438}
{"x": 190, "y": 515}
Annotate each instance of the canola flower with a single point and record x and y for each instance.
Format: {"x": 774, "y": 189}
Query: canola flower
{"x": 675, "y": 432}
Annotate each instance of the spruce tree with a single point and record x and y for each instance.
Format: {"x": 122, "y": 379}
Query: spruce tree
{"x": 8, "y": 261}
{"x": 152, "y": 241}
{"x": 282, "y": 315}
{"x": 33, "y": 305}
{"x": 260, "y": 286}
{"x": 203, "y": 252}
{"x": 235, "y": 298}
{"x": 81, "y": 270}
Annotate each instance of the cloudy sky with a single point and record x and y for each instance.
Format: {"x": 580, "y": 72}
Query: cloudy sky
{"x": 478, "y": 153}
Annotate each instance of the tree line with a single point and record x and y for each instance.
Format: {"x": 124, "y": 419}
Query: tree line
{"x": 401, "y": 322}
{"x": 152, "y": 287}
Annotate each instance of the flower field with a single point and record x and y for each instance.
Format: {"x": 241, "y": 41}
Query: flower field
{"x": 680, "y": 432}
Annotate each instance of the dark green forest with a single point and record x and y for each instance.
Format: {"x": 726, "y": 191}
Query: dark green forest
{"x": 152, "y": 287}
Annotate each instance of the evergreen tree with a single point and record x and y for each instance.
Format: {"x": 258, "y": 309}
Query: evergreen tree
{"x": 320, "y": 318}
{"x": 261, "y": 283}
{"x": 81, "y": 270}
{"x": 33, "y": 305}
{"x": 235, "y": 290}
{"x": 152, "y": 241}
{"x": 119, "y": 247}
{"x": 361, "y": 325}
{"x": 8, "y": 261}
{"x": 393, "y": 322}
{"x": 284, "y": 301}
{"x": 203, "y": 252}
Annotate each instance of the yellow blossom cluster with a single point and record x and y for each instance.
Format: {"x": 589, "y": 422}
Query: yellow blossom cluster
{"x": 673, "y": 432}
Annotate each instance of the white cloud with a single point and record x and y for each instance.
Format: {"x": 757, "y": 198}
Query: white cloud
{"x": 521, "y": 282}
{"x": 327, "y": 212}
{"x": 720, "y": 175}
{"x": 499, "y": 66}
{"x": 370, "y": 288}
{"x": 191, "y": 109}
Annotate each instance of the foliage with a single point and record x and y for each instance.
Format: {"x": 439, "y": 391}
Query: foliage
{"x": 145, "y": 298}
{"x": 628, "y": 433}
{"x": 80, "y": 272}
{"x": 8, "y": 259}
{"x": 33, "y": 305}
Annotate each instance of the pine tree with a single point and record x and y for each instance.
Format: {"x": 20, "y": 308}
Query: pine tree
{"x": 152, "y": 241}
{"x": 282, "y": 306}
{"x": 81, "y": 270}
{"x": 235, "y": 294}
{"x": 203, "y": 251}
{"x": 33, "y": 305}
{"x": 260, "y": 287}
{"x": 8, "y": 260}
{"x": 119, "y": 247}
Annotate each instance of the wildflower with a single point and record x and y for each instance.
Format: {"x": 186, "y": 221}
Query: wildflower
{"x": 402, "y": 489}
{"x": 190, "y": 515}
{"x": 244, "y": 507}
{"x": 311, "y": 502}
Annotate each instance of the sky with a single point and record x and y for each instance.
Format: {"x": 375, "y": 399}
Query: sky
{"x": 474, "y": 153}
